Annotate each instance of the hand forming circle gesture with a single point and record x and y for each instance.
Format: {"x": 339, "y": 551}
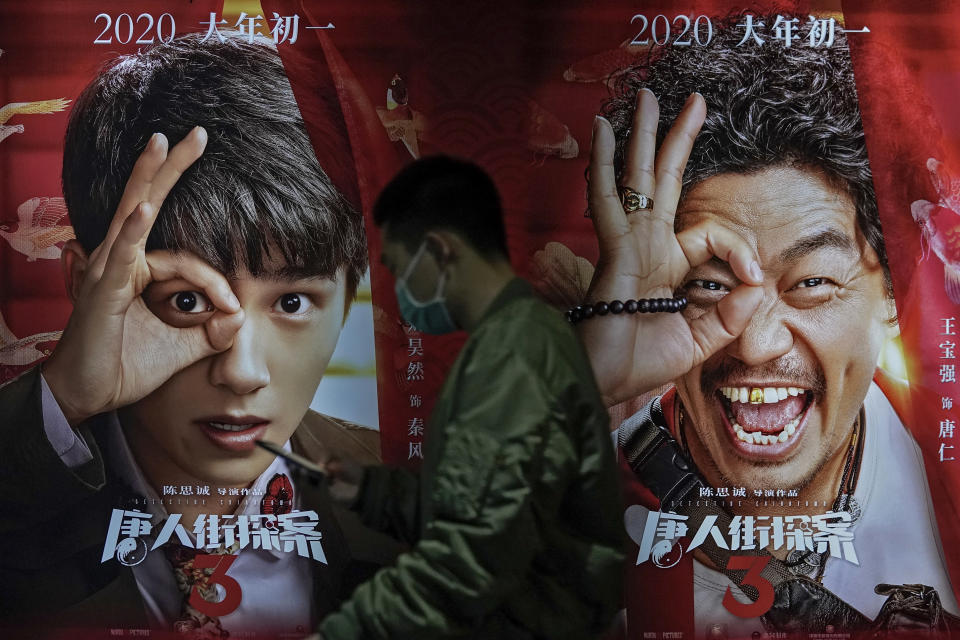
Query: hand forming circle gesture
{"x": 114, "y": 350}
{"x": 641, "y": 256}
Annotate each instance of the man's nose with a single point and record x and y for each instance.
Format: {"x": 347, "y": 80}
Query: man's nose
{"x": 767, "y": 337}
{"x": 243, "y": 367}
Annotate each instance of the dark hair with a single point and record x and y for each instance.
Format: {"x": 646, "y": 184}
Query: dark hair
{"x": 257, "y": 187}
{"x": 440, "y": 192}
{"x": 766, "y": 105}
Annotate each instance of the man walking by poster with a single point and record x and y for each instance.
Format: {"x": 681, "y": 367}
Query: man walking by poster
{"x": 514, "y": 517}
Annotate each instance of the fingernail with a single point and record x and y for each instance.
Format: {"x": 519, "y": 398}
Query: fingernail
{"x": 645, "y": 89}
{"x": 152, "y": 142}
{"x": 596, "y": 127}
{"x": 755, "y": 272}
{"x": 234, "y": 302}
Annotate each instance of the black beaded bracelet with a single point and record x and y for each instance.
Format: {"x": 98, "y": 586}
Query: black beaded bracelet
{"x": 646, "y": 305}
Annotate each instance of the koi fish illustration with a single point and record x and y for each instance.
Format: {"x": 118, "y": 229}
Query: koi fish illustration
{"x": 547, "y": 135}
{"x": 7, "y": 130}
{"x": 19, "y": 352}
{"x": 399, "y": 119}
{"x": 26, "y": 108}
{"x": 608, "y": 64}
{"x": 38, "y": 232}
{"x": 940, "y": 225}
{"x": 559, "y": 276}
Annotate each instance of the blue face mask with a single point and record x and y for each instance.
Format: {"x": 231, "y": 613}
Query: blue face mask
{"x": 431, "y": 316}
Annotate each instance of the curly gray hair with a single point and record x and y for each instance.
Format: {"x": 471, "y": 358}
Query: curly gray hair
{"x": 766, "y": 105}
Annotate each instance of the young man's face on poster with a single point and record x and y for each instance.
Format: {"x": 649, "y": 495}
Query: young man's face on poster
{"x": 257, "y": 220}
{"x": 204, "y": 421}
{"x": 815, "y": 338}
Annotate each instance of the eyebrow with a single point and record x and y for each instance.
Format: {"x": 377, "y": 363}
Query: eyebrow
{"x": 829, "y": 238}
{"x": 292, "y": 274}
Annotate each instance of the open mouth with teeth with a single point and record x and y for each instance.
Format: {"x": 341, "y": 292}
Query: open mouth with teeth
{"x": 765, "y": 421}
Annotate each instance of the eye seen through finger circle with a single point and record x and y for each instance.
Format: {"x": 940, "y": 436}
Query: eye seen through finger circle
{"x": 709, "y": 285}
{"x": 190, "y": 302}
{"x": 703, "y": 292}
{"x": 811, "y": 282}
{"x": 292, "y": 303}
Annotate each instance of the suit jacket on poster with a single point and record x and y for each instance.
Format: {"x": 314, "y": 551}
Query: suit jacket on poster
{"x": 53, "y": 522}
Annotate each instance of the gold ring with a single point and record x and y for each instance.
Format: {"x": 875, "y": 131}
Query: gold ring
{"x": 634, "y": 201}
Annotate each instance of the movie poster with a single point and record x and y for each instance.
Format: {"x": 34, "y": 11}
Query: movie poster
{"x": 798, "y": 481}
{"x": 246, "y": 121}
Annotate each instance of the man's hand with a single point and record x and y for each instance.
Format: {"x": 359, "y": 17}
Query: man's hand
{"x": 642, "y": 257}
{"x": 345, "y": 475}
{"x": 114, "y": 350}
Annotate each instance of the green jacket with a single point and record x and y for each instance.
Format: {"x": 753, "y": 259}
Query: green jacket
{"x": 515, "y": 516}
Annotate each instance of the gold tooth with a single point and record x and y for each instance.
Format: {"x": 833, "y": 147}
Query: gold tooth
{"x": 756, "y": 395}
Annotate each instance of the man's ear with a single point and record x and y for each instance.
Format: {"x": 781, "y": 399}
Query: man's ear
{"x": 73, "y": 264}
{"x": 443, "y": 245}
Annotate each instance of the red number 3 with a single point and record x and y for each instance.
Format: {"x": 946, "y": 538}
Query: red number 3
{"x": 231, "y": 600}
{"x": 754, "y": 565}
